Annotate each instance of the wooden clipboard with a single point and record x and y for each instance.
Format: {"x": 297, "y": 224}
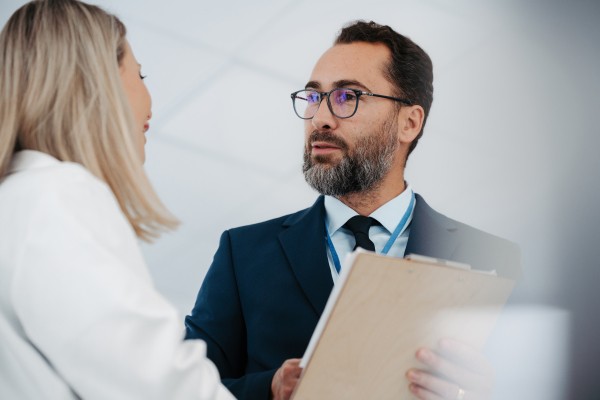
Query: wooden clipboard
{"x": 381, "y": 311}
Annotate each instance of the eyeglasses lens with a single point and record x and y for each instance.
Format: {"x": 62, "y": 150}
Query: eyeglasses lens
{"x": 306, "y": 103}
{"x": 343, "y": 102}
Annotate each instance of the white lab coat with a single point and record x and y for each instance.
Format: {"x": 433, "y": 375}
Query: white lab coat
{"x": 79, "y": 315}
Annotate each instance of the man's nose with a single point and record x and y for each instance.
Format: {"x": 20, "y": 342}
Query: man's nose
{"x": 324, "y": 119}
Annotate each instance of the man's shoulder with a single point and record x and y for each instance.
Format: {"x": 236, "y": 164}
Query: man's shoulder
{"x": 482, "y": 250}
{"x": 271, "y": 226}
{"x": 464, "y": 230}
{"x": 485, "y": 242}
{"x": 489, "y": 252}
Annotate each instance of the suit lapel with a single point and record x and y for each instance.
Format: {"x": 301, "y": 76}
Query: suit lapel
{"x": 304, "y": 245}
{"x": 431, "y": 233}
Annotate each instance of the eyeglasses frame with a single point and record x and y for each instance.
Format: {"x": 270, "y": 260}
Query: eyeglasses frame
{"x": 358, "y": 93}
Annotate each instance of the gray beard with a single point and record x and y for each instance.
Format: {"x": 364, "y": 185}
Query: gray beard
{"x": 360, "y": 171}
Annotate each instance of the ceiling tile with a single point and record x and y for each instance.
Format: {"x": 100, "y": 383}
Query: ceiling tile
{"x": 224, "y": 25}
{"x": 173, "y": 70}
{"x": 294, "y": 43}
{"x": 197, "y": 189}
{"x": 243, "y": 116}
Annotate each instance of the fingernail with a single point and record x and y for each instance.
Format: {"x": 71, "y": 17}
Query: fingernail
{"x": 413, "y": 387}
{"x": 414, "y": 375}
{"x": 424, "y": 355}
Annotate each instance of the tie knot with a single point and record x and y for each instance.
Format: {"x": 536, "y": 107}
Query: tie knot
{"x": 360, "y": 224}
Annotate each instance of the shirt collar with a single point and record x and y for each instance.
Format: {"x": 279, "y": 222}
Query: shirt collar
{"x": 30, "y": 159}
{"x": 388, "y": 215}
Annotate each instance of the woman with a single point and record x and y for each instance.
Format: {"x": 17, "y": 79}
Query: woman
{"x": 79, "y": 316}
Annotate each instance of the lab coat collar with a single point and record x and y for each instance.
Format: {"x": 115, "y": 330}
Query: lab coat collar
{"x": 30, "y": 159}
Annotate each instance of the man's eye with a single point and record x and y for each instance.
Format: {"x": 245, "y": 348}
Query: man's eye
{"x": 349, "y": 96}
{"x": 142, "y": 77}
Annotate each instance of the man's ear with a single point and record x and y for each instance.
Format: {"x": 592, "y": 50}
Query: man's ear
{"x": 410, "y": 122}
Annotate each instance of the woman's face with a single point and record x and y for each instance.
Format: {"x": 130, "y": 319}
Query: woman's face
{"x": 137, "y": 94}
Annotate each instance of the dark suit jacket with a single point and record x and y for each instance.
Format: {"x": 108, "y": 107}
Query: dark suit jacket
{"x": 268, "y": 285}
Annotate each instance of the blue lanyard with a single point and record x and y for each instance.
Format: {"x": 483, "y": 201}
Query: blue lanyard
{"x": 388, "y": 245}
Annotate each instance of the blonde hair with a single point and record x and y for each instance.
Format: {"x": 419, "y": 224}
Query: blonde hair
{"x": 61, "y": 94}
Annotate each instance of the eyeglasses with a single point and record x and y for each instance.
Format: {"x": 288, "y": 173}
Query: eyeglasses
{"x": 344, "y": 105}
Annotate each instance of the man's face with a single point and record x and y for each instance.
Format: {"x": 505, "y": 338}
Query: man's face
{"x": 344, "y": 156}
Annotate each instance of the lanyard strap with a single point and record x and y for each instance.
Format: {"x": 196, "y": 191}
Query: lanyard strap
{"x": 388, "y": 245}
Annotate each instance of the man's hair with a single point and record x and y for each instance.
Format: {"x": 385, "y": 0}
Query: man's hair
{"x": 410, "y": 69}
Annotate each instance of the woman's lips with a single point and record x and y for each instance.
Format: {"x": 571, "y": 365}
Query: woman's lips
{"x": 146, "y": 127}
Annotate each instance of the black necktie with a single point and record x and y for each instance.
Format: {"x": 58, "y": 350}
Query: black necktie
{"x": 359, "y": 226}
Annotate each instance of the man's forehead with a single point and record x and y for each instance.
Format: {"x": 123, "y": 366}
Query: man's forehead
{"x": 361, "y": 62}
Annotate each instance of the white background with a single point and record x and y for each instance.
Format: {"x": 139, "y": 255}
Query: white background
{"x": 509, "y": 148}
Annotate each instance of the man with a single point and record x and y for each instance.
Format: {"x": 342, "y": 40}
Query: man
{"x": 364, "y": 110}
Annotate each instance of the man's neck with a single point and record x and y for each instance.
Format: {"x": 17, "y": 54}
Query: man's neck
{"x": 365, "y": 203}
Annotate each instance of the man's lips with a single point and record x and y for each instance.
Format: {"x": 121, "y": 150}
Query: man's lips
{"x": 323, "y": 148}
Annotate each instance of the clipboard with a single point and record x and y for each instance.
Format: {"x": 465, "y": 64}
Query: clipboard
{"x": 381, "y": 311}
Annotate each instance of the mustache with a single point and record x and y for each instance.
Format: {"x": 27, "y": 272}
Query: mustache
{"x": 326, "y": 136}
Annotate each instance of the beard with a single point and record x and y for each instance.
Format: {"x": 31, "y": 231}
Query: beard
{"x": 361, "y": 169}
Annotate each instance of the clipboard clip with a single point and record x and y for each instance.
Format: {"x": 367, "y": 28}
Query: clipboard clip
{"x": 437, "y": 261}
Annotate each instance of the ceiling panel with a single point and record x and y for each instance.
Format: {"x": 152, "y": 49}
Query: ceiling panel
{"x": 294, "y": 43}
{"x": 174, "y": 70}
{"x": 222, "y": 25}
{"x": 199, "y": 190}
{"x": 244, "y": 117}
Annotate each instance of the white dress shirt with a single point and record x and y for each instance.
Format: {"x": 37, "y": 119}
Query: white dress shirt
{"x": 79, "y": 315}
{"x": 389, "y": 216}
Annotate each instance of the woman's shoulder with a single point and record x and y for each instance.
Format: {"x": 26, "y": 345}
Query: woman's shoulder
{"x": 33, "y": 174}
{"x": 34, "y": 166}
{"x": 45, "y": 197}
{"x": 37, "y": 182}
